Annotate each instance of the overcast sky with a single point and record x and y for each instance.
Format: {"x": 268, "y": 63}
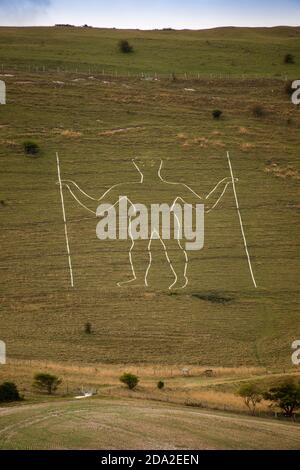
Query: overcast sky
{"x": 149, "y": 14}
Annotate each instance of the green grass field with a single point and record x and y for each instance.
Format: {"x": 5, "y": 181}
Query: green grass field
{"x": 222, "y": 51}
{"x": 42, "y": 317}
{"x": 129, "y": 424}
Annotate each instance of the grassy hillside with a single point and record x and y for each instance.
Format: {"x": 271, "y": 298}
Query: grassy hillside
{"x": 97, "y": 125}
{"x": 222, "y": 51}
{"x": 152, "y": 426}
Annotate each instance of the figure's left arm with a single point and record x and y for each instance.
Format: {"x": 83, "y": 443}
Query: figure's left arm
{"x": 216, "y": 194}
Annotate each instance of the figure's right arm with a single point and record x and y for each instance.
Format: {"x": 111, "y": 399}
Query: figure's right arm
{"x": 81, "y": 197}
{"x": 90, "y": 203}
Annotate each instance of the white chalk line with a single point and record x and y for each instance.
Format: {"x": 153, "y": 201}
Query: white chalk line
{"x": 194, "y": 192}
{"x": 142, "y": 176}
{"x": 171, "y": 182}
{"x": 65, "y": 221}
{"x": 213, "y": 190}
{"x": 166, "y": 255}
{"x": 217, "y": 202}
{"x": 79, "y": 202}
{"x": 168, "y": 258}
{"x": 241, "y": 222}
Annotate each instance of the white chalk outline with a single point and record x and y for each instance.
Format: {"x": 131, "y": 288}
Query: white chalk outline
{"x": 194, "y": 192}
{"x": 232, "y": 181}
{"x": 241, "y": 221}
{"x": 65, "y": 221}
{"x": 2, "y": 92}
{"x": 2, "y": 352}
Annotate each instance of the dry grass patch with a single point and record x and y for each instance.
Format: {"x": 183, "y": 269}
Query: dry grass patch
{"x": 283, "y": 172}
{"x": 246, "y": 147}
{"x": 218, "y": 143}
{"x": 113, "y": 371}
{"x": 182, "y": 136}
{"x": 216, "y": 133}
{"x": 243, "y": 130}
{"x": 185, "y": 145}
{"x": 119, "y": 131}
{"x": 71, "y": 134}
{"x": 9, "y": 143}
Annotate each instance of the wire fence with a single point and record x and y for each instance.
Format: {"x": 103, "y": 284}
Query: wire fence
{"x": 90, "y": 70}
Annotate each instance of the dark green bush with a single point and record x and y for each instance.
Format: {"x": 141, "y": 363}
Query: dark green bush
{"x": 31, "y": 147}
{"x": 9, "y": 392}
{"x": 88, "y": 328}
{"x": 217, "y": 113}
{"x": 125, "y": 47}
{"x": 289, "y": 59}
{"x": 160, "y": 385}
{"x": 130, "y": 380}
{"x": 258, "y": 111}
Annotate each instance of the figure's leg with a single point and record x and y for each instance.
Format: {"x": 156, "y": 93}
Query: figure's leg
{"x": 178, "y": 260}
{"x": 139, "y": 261}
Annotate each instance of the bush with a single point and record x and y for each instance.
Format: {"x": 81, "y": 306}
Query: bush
{"x": 31, "y": 147}
{"x": 130, "y": 380}
{"x": 286, "y": 396}
{"x": 125, "y": 47}
{"x": 217, "y": 113}
{"x": 289, "y": 59}
{"x": 9, "y": 392}
{"x": 258, "y": 111}
{"x": 160, "y": 385}
{"x": 88, "y": 328}
{"x": 251, "y": 395}
{"x": 46, "y": 382}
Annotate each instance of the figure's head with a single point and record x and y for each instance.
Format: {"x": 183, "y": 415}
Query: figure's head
{"x": 148, "y": 167}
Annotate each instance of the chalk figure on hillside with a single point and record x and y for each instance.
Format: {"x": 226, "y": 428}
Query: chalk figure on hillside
{"x": 152, "y": 188}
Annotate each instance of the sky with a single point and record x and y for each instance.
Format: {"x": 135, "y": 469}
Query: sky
{"x": 151, "y": 14}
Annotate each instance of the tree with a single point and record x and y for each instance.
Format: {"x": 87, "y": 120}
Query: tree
{"x": 46, "y": 382}
{"x": 9, "y": 392}
{"x": 286, "y": 396}
{"x": 125, "y": 47}
{"x": 130, "y": 380}
{"x": 251, "y": 395}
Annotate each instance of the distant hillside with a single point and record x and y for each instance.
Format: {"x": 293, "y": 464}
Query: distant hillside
{"x": 221, "y": 51}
